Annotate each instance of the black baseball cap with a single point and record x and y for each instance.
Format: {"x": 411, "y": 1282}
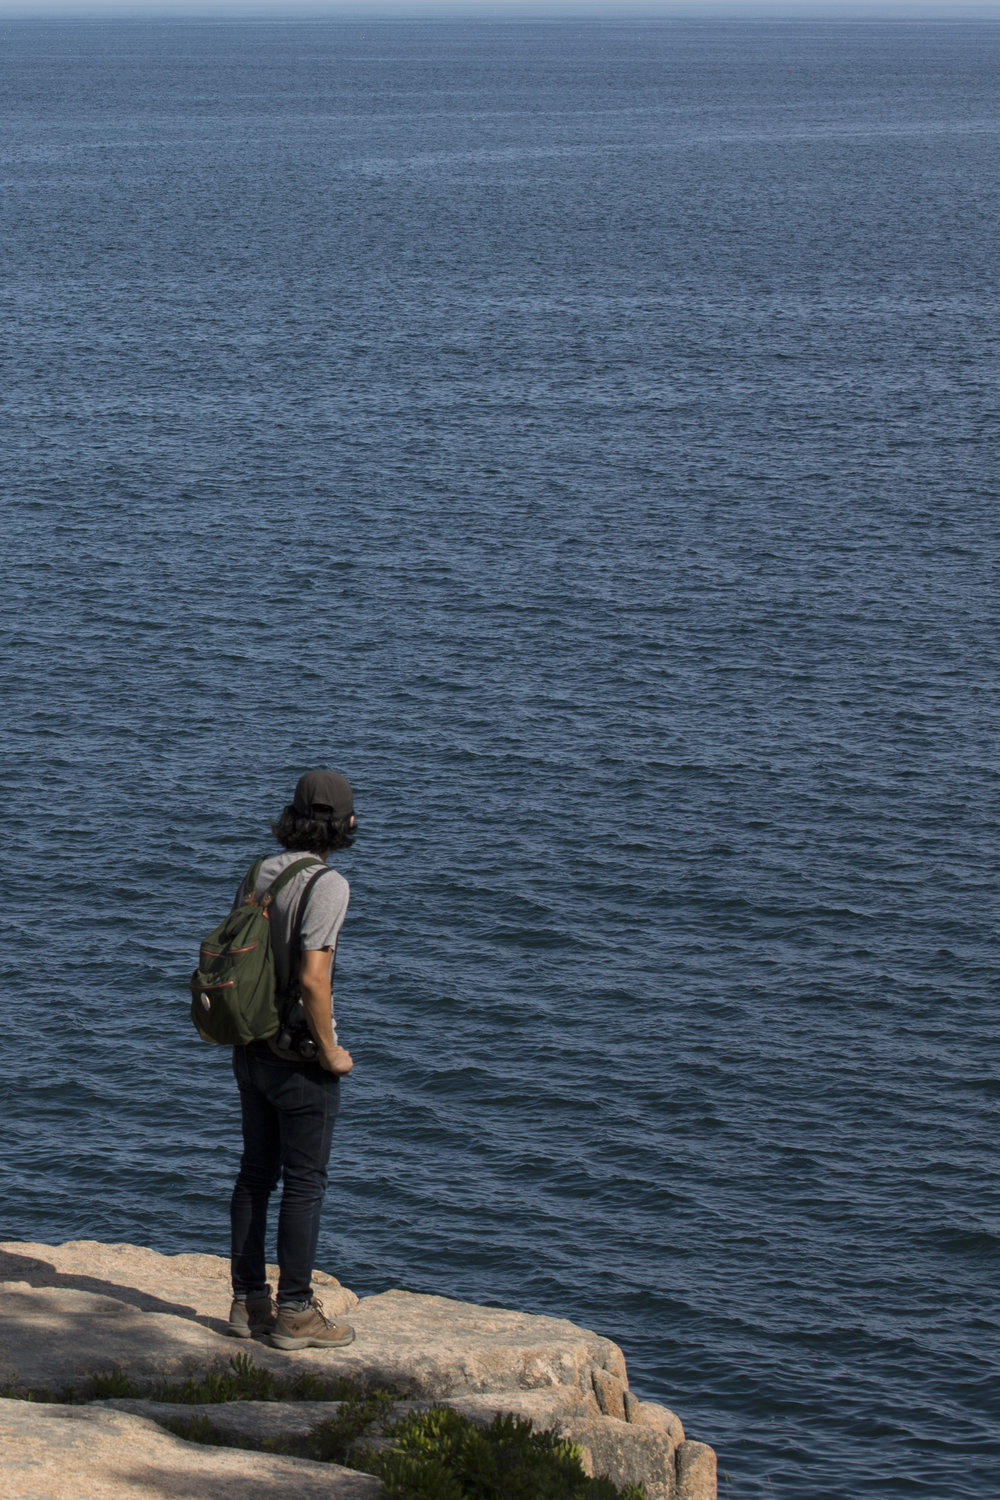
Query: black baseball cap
{"x": 323, "y": 789}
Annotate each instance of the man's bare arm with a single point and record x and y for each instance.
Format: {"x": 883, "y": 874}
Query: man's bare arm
{"x": 314, "y": 982}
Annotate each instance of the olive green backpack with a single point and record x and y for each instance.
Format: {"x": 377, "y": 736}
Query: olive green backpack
{"x": 234, "y": 989}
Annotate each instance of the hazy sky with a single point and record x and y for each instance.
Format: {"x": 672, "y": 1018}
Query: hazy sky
{"x": 940, "y": 9}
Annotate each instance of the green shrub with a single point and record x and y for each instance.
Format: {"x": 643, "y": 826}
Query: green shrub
{"x": 111, "y": 1383}
{"x": 243, "y": 1381}
{"x": 307, "y": 1386}
{"x": 440, "y": 1455}
{"x": 334, "y": 1440}
{"x": 195, "y": 1430}
{"x": 12, "y": 1390}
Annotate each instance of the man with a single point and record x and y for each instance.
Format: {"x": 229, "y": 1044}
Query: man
{"x": 290, "y": 1085}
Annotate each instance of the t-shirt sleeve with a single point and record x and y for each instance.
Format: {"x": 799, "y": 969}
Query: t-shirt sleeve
{"x": 325, "y": 911}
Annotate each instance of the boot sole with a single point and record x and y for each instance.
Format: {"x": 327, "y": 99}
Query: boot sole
{"x": 287, "y": 1342}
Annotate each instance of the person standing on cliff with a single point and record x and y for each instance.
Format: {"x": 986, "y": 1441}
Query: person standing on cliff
{"x": 290, "y": 1086}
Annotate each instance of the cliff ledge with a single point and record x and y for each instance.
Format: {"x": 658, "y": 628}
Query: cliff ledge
{"x": 75, "y": 1311}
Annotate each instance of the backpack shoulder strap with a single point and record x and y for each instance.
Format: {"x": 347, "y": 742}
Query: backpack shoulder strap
{"x": 249, "y": 885}
{"x": 305, "y": 901}
{"x": 290, "y": 871}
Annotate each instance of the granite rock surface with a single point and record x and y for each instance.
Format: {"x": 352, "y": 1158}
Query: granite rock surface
{"x": 81, "y": 1309}
{"x": 50, "y": 1452}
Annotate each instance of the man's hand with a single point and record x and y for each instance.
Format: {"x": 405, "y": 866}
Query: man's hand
{"x": 337, "y": 1060}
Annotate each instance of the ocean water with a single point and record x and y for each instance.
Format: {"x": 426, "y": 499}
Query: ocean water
{"x": 583, "y": 435}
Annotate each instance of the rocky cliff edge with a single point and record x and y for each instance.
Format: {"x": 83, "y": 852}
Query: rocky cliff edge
{"x": 79, "y": 1310}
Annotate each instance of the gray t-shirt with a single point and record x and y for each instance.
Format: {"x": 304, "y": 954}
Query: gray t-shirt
{"x": 321, "y": 921}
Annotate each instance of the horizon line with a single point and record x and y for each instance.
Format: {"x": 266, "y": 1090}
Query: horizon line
{"x": 500, "y": 10}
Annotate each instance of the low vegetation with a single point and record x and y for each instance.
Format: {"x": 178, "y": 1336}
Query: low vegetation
{"x": 241, "y": 1380}
{"x": 428, "y": 1455}
{"x": 441, "y": 1455}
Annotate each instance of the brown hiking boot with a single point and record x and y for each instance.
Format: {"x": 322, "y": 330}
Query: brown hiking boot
{"x": 309, "y": 1329}
{"x": 253, "y": 1318}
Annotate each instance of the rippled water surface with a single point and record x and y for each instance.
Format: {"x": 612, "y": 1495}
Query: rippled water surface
{"x": 584, "y": 436}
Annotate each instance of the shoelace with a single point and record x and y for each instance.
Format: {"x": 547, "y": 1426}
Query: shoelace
{"x": 318, "y": 1308}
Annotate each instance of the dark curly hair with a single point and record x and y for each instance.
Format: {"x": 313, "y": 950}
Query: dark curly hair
{"x": 315, "y": 834}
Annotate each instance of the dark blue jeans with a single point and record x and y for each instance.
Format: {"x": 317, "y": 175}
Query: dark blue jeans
{"x": 288, "y": 1114}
